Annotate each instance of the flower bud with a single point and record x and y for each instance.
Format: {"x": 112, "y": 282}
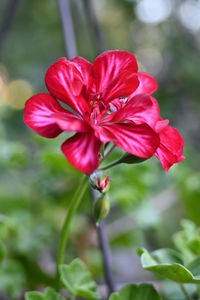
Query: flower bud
{"x": 100, "y": 181}
{"x": 128, "y": 158}
{"x": 101, "y": 208}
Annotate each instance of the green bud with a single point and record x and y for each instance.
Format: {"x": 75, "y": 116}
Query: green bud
{"x": 128, "y": 158}
{"x": 101, "y": 208}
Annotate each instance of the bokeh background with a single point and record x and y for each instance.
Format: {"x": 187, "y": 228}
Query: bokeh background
{"x": 36, "y": 181}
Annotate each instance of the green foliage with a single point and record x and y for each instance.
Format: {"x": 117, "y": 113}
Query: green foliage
{"x": 2, "y": 251}
{"x": 12, "y": 277}
{"x": 172, "y": 290}
{"x": 187, "y": 241}
{"x": 78, "y": 280}
{"x": 136, "y": 292}
{"x": 168, "y": 264}
{"x": 49, "y": 294}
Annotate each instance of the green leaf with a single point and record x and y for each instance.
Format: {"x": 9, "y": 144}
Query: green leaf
{"x": 2, "y": 251}
{"x": 194, "y": 267}
{"x": 167, "y": 263}
{"x": 49, "y": 294}
{"x": 136, "y": 292}
{"x": 12, "y": 278}
{"x": 78, "y": 280}
{"x": 187, "y": 241}
{"x": 34, "y": 296}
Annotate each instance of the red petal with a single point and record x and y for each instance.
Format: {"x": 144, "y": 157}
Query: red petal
{"x": 65, "y": 82}
{"x": 147, "y": 84}
{"x": 82, "y": 151}
{"x": 139, "y": 140}
{"x": 71, "y": 122}
{"x": 38, "y": 115}
{"x": 43, "y": 114}
{"x": 171, "y": 146}
{"x": 161, "y": 124}
{"x": 121, "y": 86}
{"x": 139, "y": 109}
{"x": 109, "y": 65}
{"x": 86, "y": 70}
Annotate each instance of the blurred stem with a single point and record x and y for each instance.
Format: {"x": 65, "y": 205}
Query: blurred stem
{"x": 66, "y": 226}
{"x": 7, "y": 20}
{"x": 185, "y": 292}
{"x": 68, "y": 28}
{"x": 112, "y": 164}
{"x": 94, "y": 25}
{"x": 105, "y": 250}
{"x": 107, "y": 153}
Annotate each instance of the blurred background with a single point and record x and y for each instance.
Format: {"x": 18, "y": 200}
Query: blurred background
{"x": 36, "y": 181}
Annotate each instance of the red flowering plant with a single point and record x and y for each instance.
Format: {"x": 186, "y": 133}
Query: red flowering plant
{"x": 108, "y": 101}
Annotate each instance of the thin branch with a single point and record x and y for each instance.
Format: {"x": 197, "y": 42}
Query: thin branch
{"x": 110, "y": 165}
{"x": 107, "y": 153}
{"x": 68, "y": 28}
{"x": 185, "y": 292}
{"x": 7, "y": 20}
{"x": 93, "y": 22}
{"x": 106, "y": 253}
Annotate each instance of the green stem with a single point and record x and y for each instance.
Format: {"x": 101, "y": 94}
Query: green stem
{"x": 185, "y": 292}
{"x": 110, "y": 165}
{"x": 107, "y": 153}
{"x": 66, "y": 226}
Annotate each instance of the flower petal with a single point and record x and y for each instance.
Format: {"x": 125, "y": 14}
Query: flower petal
{"x": 71, "y": 122}
{"x": 161, "y": 124}
{"x": 38, "y": 115}
{"x": 82, "y": 151}
{"x": 65, "y": 82}
{"x": 139, "y": 140}
{"x": 48, "y": 118}
{"x": 109, "y": 65}
{"x": 171, "y": 146}
{"x": 86, "y": 70}
{"x": 147, "y": 84}
{"x": 121, "y": 86}
{"x": 139, "y": 109}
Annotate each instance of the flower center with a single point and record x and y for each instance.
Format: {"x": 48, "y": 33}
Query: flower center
{"x": 98, "y": 108}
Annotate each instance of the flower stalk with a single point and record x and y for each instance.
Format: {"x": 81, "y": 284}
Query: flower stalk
{"x": 105, "y": 251}
{"x": 66, "y": 226}
{"x": 185, "y": 292}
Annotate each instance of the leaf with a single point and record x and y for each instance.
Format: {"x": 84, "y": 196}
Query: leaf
{"x": 194, "y": 267}
{"x": 172, "y": 290}
{"x": 187, "y": 241}
{"x": 2, "y": 251}
{"x": 34, "y": 296}
{"x": 167, "y": 263}
{"x": 78, "y": 280}
{"x": 12, "y": 278}
{"x": 49, "y": 294}
{"x": 136, "y": 292}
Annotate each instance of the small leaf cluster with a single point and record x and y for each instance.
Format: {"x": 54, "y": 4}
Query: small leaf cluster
{"x": 182, "y": 265}
{"x": 79, "y": 283}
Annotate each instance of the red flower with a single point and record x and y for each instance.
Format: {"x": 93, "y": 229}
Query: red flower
{"x": 105, "y": 101}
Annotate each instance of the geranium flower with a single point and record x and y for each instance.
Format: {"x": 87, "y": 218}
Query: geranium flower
{"x": 108, "y": 101}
